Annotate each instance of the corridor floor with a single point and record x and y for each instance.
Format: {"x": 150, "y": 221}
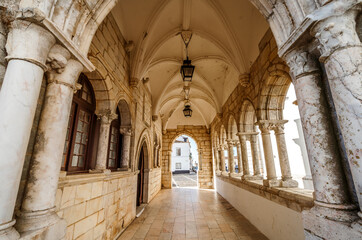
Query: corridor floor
{"x": 186, "y": 213}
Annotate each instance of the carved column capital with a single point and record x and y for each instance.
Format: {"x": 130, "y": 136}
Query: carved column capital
{"x": 336, "y": 32}
{"x": 264, "y": 126}
{"x": 278, "y": 126}
{"x": 301, "y": 62}
{"x": 107, "y": 118}
{"x": 125, "y": 130}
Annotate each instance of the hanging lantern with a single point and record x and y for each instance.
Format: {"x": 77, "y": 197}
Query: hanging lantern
{"x": 187, "y": 110}
{"x": 187, "y": 70}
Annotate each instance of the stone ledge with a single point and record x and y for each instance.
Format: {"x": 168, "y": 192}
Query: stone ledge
{"x": 296, "y": 199}
{"x": 77, "y": 179}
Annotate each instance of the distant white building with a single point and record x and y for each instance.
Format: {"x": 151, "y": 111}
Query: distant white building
{"x": 181, "y": 155}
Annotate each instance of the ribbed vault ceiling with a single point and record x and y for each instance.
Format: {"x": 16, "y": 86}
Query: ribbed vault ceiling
{"x": 224, "y": 44}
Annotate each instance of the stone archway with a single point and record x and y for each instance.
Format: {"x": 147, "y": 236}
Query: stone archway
{"x": 201, "y": 135}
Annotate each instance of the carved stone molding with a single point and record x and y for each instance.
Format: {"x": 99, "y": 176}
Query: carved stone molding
{"x": 125, "y": 130}
{"x": 244, "y": 80}
{"x": 336, "y": 32}
{"x": 301, "y": 62}
{"x": 107, "y": 118}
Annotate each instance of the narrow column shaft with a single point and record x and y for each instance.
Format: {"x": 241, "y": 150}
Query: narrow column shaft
{"x": 271, "y": 175}
{"x": 240, "y": 158}
{"x": 127, "y": 133}
{"x": 37, "y": 210}
{"x": 103, "y": 141}
{"x": 27, "y": 47}
{"x": 231, "y": 157}
{"x": 255, "y": 154}
{"x": 217, "y": 160}
{"x": 222, "y": 159}
{"x": 282, "y": 151}
{"x": 329, "y": 182}
{"x": 287, "y": 180}
{"x": 342, "y": 57}
{"x": 244, "y": 155}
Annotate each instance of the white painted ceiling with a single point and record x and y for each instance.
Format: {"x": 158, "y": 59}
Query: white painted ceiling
{"x": 224, "y": 44}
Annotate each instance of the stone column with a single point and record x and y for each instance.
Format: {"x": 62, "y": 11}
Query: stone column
{"x": 330, "y": 187}
{"x": 222, "y": 160}
{"x": 287, "y": 180}
{"x": 27, "y": 46}
{"x": 244, "y": 155}
{"x": 240, "y": 158}
{"x": 230, "y": 144}
{"x": 126, "y": 147}
{"x": 38, "y": 207}
{"x": 217, "y": 159}
{"x": 341, "y": 51}
{"x": 271, "y": 180}
{"x": 159, "y": 156}
{"x": 255, "y": 155}
{"x": 102, "y": 153}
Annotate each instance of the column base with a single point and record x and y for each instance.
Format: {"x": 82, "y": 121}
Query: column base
{"x": 41, "y": 223}
{"x": 272, "y": 182}
{"x": 289, "y": 183}
{"x": 235, "y": 175}
{"x": 7, "y": 231}
{"x": 218, "y": 172}
{"x": 226, "y": 174}
{"x": 319, "y": 225}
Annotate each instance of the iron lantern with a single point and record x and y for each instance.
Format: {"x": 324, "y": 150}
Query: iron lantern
{"x": 187, "y": 110}
{"x": 187, "y": 70}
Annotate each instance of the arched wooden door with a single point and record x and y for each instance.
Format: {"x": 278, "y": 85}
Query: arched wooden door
{"x": 140, "y": 181}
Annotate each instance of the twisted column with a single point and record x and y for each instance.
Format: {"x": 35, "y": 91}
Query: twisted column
{"x": 102, "y": 153}
{"x": 38, "y": 207}
{"x": 287, "y": 180}
{"x": 27, "y": 46}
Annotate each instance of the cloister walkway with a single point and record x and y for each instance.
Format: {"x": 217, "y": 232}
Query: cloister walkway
{"x": 188, "y": 213}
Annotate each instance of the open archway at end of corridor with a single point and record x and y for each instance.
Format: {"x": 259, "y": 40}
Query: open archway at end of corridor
{"x": 184, "y": 162}
{"x": 201, "y": 159}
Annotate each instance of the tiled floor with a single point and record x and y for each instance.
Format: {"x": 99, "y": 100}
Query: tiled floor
{"x": 190, "y": 213}
{"x": 184, "y": 180}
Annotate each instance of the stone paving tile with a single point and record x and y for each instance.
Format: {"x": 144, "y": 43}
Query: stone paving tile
{"x": 189, "y": 213}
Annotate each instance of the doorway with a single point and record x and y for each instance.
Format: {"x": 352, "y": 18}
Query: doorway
{"x": 141, "y": 176}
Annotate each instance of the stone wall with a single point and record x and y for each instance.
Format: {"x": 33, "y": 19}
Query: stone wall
{"x": 202, "y": 138}
{"x": 97, "y": 206}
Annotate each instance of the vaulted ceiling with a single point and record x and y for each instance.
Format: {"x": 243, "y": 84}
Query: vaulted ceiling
{"x": 224, "y": 44}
